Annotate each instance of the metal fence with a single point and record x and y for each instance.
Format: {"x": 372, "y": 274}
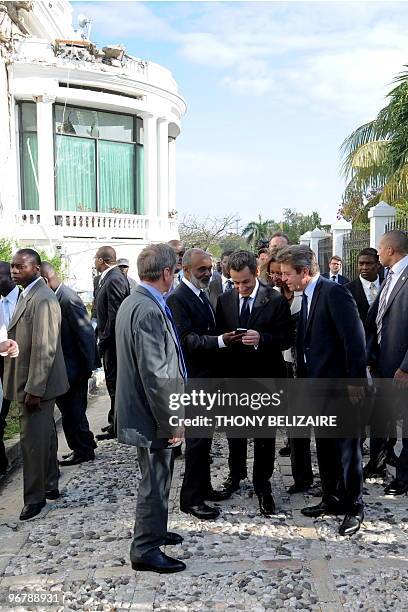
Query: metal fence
{"x": 325, "y": 253}
{"x": 352, "y": 245}
{"x": 398, "y": 224}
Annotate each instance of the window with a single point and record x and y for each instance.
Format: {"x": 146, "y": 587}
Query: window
{"x": 28, "y": 156}
{"x": 99, "y": 161}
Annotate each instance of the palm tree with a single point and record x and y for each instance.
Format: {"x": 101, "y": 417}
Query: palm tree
{"x": 375, "y": 155}
{"x": 258, "y": 230}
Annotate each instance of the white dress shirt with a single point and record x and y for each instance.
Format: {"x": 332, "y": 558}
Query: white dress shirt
{"x": 251, "y": 298}
{"x": 9, "y": 302}
{"x": 309, "y": 290}
{"x": 367, "y": 288}
{"x": 29, "y": 287}
{"x": 397, "y": 269}
{"x": 225, "y": 283}
{"x": 104, "y": 273}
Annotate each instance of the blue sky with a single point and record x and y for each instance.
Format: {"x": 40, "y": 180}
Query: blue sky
{"x": 272, "y": 89}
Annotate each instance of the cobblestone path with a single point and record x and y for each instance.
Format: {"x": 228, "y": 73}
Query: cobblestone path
{"x": 77, "y": 550}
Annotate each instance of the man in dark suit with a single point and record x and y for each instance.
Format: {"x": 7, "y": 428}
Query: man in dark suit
{"x": 149, "y": 353}
{"x": 79, "y": 349}
{"x": 9, "y": 296}
{"x": 334, "y": 274}
{"x": 387, "y": 344}
{"x": 195, "y": 321}
{"x": 112, "y": 289}
{"x": 221, "y": 284}
{"x": 265, "y": 314}
{"x": 365, "y": 288}
{"x": 330, "y": 345}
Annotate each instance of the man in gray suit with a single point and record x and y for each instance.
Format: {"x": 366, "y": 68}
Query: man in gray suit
{"x": 387, "y": 345}
{"x": 148, "y": 354}
{"x": 35, "y": 379}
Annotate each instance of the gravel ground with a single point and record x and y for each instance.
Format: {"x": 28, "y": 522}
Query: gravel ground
{"x": 77, "y": 550}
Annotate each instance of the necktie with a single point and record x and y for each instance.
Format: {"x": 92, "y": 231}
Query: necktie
{"x": 303, "y": 317}
{"x": 245, "y": 313}
{"x": 333, "y": 279}
{"x": 6, "y": 311}
{"x": 372, "y": 292}
{"x": 207, "y": 304}
{"x": 228, "y": 285}
{"x": 382, "y": 304}
{"x": 180, "y": 350}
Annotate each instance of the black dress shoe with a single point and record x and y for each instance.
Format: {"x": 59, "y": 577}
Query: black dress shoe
{"x": 299, "y": 488}
{"x": 220, "y": 495}
{"x": 156, "y": 561}
{"x": 391, "y": 459}
{"x": 31, "y": 510}
{"x": 68, "y": 455}
{"x": 76, "y": 459}
{"x": 266, "y": 504}
{"x": 106, "y": 436}
{"x": 321, "y": 509}
{"x": 230, "y": 485}
{"x": 396, "y": 487}
{"x": 373, "y": 471}
{"x": 285, "y": 451}
{"x": 106, "y": 428}
{"x": 172, "y": 539}
{"x": 201, "y": 511}
{"x": 351, "y": 524}
{"x": 54, "y": 494}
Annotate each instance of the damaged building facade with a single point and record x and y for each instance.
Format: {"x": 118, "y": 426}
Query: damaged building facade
{"x": 87, "y": 141}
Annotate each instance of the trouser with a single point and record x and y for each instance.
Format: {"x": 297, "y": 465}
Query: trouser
{"x": 152, "y": 500}
{"x": 301, "y": 460}
{"x": 264, "y": 462}
{"x": 110, "y": 368}
{"x": 3, "y": 416}
{"x": 197, "y": 478}
{"x": 341, "y": 471}
{"x": 75, "y": 424}
{"x": 39, "y": 445}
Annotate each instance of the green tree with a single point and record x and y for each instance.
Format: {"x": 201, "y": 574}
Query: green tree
{"x": 6, "y": 249}
{"x": 294, "y": 223}
{"x": 375, "y": 155}
{"x": 232, "y": 242}
{"x": 255, "y": 231}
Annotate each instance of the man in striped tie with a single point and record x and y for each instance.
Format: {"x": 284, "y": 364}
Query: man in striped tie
{"x": 387, "y": 336}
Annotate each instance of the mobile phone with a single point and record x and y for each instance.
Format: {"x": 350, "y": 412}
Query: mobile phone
{"x": 241, "y": 330}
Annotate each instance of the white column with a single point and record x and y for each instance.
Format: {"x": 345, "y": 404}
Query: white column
{"x": 172, "y": 174}
{"x": 316, "y": 235}
{"x": 163, "y": 167}
{"x": 305, "y": 238}
{"x": 379, "y": 216}
{"x": 46, "y": 162}
{"x": 150, "y": 164}
{"x": 339, "y": 230}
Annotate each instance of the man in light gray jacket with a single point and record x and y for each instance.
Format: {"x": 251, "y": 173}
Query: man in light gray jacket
{"x": 149, "y": 355}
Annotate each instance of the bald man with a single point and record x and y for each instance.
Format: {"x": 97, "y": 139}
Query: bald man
{"x": 112, "y": 289}
{"x": 387, "y": 347}
{"x": 79, "y": 350}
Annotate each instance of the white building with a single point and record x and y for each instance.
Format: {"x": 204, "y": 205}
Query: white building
{"x": 87, "y": 141}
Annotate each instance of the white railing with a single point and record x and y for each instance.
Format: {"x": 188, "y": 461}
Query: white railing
{"x": 99, "y": 225}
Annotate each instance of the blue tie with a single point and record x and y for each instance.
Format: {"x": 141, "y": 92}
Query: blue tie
{"x": 180, "y": 350}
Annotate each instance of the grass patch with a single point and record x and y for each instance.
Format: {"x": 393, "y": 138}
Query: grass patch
{"x": 13, "y": 424}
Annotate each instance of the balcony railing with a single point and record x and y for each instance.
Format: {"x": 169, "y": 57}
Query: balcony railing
{"x": 61, "y": 225}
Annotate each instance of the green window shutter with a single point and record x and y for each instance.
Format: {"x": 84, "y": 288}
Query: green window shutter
{"x": 29, "y": 157}
{"x": 75, "y": 174}
{"x": 140, "y": 180}
{"x": 116, "y": 177}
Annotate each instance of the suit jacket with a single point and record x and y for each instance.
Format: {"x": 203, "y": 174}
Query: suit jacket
{"x": 147, "y": 355}
{"x": 357, "y": 291}
{"x": 110, "y": 293}
{"x": 393, "y": 352}
{"x": 271, "y": 317}
{"x": 215, "y": 290}
{"x": 196, "y": 330}
{"x": 40, "y": 368}
{"x": 77, "y": 336}
{"x": 342, "y": 279}
{"x": 334, "y": 341}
